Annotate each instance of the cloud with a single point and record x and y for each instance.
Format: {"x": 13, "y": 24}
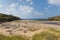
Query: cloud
{"x": 13, "y": 5}
{"x": 28, "y": 12}
{"x": 27, "y": 1}
{"x": 11, "y": 9}
{"x": 1, "y": 6}
{"x": 23, "y": 11}
{"x": 54, "y": 2}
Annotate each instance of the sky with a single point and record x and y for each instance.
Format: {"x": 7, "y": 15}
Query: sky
{"x": 30, "y": 9}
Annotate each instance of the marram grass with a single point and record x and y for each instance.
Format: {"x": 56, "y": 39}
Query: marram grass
{"x": 2, "y": 37}
{"x": 50, "y": 34}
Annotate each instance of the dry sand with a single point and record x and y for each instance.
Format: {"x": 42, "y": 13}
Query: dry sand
{"x": 25, "y": 28}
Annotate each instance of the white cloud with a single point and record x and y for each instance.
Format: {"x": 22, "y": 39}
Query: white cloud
{"x": 23, "y": 11}
{"x": 26, "y": 9}
{"x": 13, "y": 5}
{"x": 1, "y": 6}
{"x": 27, "y": 1}
{"x": 29, "y": 12}
{"x": 37, "y": 14}
{"x": 11, "y": 8}
{"x": 54, "y": 2}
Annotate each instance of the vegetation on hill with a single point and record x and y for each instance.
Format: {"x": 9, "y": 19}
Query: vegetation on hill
{"x": 56, "y": 18}
{"x": 6, "y": 18}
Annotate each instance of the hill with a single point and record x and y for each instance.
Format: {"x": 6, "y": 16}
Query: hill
{"x": 56, "y": 18}
{"x": 7, "y": 18}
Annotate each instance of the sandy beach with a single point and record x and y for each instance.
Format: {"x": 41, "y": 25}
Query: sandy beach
{"x": 25, "y": 27}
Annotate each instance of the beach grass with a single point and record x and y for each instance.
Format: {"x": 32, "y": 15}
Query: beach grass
{"x": 2, "y": 37}
{"x": 47, "y": 35}
{"x": 51, "y": 34}
{"x": 54, "y": 30}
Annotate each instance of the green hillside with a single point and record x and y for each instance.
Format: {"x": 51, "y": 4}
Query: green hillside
{"x": 6, "y": 18}
{"x": 56, "y": 18}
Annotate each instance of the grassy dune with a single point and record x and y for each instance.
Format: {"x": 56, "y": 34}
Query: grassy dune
{"x": 51, "y": 34}
{"x": 2, "y": 37}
